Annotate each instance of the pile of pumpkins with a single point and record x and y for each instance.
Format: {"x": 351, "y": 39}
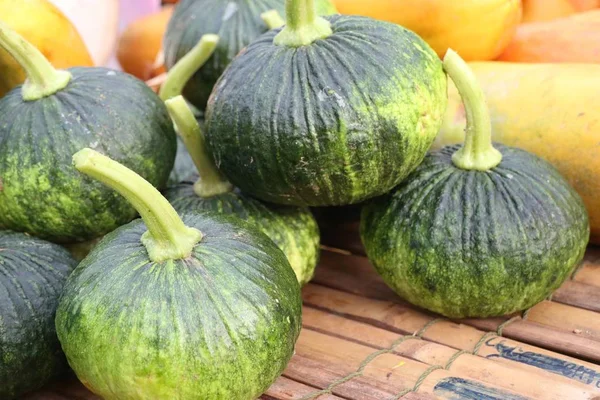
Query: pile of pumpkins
{"x": 200, "y": 298}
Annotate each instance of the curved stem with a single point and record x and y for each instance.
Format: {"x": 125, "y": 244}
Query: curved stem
{"x": 167, "y": 237}
{"x": 303, "y": 25}
{"x": 42, "y": 78}
{"x": 185, "y": 68}
{"x": 272, "y": 19}
{"x": 477, "y": 153}
{"x": 211, "y": 182}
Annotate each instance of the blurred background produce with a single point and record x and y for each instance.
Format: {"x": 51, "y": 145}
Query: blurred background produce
{"x": 575, "y": 38}
{"x": 476, "y": 29}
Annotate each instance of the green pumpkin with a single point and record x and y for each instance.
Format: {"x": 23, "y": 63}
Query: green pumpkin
{"x": 326, "y": 113}
{"x": 477, "y": 231}
{"x": 193, "y": 307}
{"x": 56, "y": 113}
{"x": 33, "y": 273}
{"x": 294, "y": 230}
{"x": 236, "y": 22}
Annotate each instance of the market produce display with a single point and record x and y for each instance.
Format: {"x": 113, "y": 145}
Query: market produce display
{"x": 58, "y": 112}
{"x": 293, "y": 229}
{"x": 305, "y": 199}
{"x": 477, "y": 230}
{"x": 294, "y": 121}
{"x": 33, "y": 273}
{"x": 197, "y": 306}
{"x": 237, "y": 23}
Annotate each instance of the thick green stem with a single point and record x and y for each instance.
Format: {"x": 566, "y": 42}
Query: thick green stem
{"x": 477, "y": 153}
{"x": 303, "y": 25}
{"x": 42, "y": 78}
{"x": 272, "y": 19}
{"x": 211, "y": 182}
{"x": 185, "y": 68}
{"x": 167, "y": 237}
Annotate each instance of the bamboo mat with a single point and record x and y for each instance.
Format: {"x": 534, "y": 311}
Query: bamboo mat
{"x": 361, "y": 342}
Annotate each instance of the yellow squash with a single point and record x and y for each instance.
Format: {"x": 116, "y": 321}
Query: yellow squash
{"x": 476, "y": 29}
{"x": 43, "y": 25}
{"x": 548, "y": 109}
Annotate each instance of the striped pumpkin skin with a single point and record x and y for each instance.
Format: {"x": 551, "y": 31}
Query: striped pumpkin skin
{"x": 109, "y": 111}
{"x": 220, "y": 324}
{"x": 333, "y": 123}
{"x": 237, "y": 22}
{"x": 32, "y": 275}
{"x": 293, "y": 229}
{"x": 477, "y": 244}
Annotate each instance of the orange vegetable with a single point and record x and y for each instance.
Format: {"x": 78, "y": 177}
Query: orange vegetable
{"x": 44, "y": 26}
{"x": 140, "y": 44}
{"x": 574, "y": 39}
{"x": 585, "y": 5}
{"x": 546, "y": 10}
{"x": 476, "y": 29}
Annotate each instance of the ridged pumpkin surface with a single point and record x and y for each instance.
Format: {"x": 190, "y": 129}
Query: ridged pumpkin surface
{"x": 32, "y": 275}
{"x": 336, "y": 122}
{"x": 112, "y": 112}
{"x": 469, "y": 243}
{"x": 294, "y": 230}
{"x": 219, "y": 324}
{"x": 237, "y": 22}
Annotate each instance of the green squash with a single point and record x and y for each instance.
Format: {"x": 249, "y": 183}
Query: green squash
{"x": 56, "y": 113}
{"x": 191, "y": 307}
{"x": 477, "y": 231}
{"x": 33, "y": 273}
{"x": 326, "y": 112}
{"x": 236, "y": 22}
{"x": 294, "y": 230}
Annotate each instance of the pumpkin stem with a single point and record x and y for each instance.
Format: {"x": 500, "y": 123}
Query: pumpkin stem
{"x": 167, "y": 237}
{"x": 185, "y": 68}
{"x": 211, "y": 182}
{"x": 272, "y": 19}
{"x": 303, "y": 25}
{"x": 42, "y": 78}
{"x": 478, "y": 152}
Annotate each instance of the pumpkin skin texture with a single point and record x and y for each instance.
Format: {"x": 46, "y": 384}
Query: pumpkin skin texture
{"x": 333, "y": 123}
{"x": 219, "y": 324}
{"x": 294, "y": 230}
{"x": 477, "y": 244}
{"x": 108, "y": 110}
{"x": 33, "y": 274}
{"x": 237, "y": 23}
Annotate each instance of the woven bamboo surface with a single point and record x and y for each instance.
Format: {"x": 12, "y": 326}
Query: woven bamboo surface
{"x": 361, "y": 342}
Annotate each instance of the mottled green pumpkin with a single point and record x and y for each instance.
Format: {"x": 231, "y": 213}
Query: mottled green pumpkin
{"x": 293, "y": 229}
{"x": 333, "y": 122}
{"x": 112, "y": 112}
{"x": 477, "y": 236}
{"x": 32, "y": 275}
{"x": 199, "y": 307}
{"x": 237, "y": 22}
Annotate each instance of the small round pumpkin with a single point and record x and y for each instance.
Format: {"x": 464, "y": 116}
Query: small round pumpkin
{"x": 327, "y": 111}
{"x": 54, "y": 114}
{"x": 236, "y": 22}
{"x": 476, "y": 231}
{"x": 293, "y": 229}
{"x": 191, "y": 307}
{"x": 33, "y": 274}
